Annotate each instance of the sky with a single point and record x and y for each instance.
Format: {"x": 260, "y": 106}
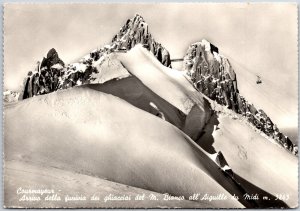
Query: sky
{"x": 258, "y": 39}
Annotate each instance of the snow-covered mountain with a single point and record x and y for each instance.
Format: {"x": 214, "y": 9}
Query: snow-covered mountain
{"x": 210, "y": 72}
{"x": 122, "y": 114}
{"x": 139, "y": 148}
{"x": 214, "y": 76}
{"x": 51, "y": 74}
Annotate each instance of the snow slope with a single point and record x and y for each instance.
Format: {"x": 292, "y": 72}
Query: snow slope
{"x": 161, "y": 79}
{"x": 136, "y": 93}
{"x": 67, "y": 183}
{"x": 83, "y": 131}
{"x": 86, "y": 131}
{"x": 260, "y": 165}
{"x": 170, "y": 85}
{"x": 108, "y": 68}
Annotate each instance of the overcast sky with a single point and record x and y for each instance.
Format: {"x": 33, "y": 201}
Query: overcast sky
{"x": 258, "y": 39}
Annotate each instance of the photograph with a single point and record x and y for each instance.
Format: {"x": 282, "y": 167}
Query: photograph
{"x": 150, "y": 105}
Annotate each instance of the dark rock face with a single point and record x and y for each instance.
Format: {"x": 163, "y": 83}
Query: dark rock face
{"x": 44, "y": 79}
{"x": 52, "y": 59}
{"x": 213, "y": 75}
{"x": 52, "y": 74}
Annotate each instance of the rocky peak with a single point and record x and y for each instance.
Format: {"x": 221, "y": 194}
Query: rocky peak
{"x": 136, "y": 31}
{"x": 51, "y": 74}
{"x": 213, "y": 75}
{"x": 51, "y": 59}
{"x": 52, "y": 53}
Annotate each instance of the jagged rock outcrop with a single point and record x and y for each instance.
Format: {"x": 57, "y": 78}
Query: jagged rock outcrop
{"x": 51, "y": 59}
{"x": 52, "y": 74}
{"x": 213, "y": 75}
{"x": 45, "y": 77}
{"x": 136, "y": 31}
